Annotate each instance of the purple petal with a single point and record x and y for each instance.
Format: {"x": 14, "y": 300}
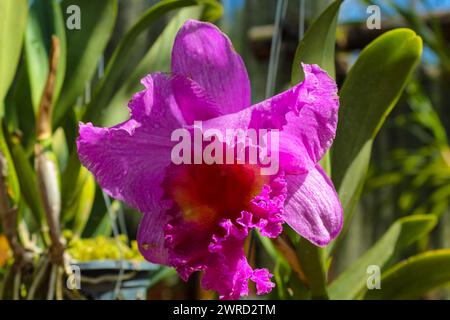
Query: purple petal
{"x": 129, "y": 160}
{"x": 312, "y": 207}
{"x": 262, "y": 279}
{"x": 310, "y": 133}
{"x": 155, "y": 106}
{"x": 151, "y": 235}
{"x": 306, "y": 116}
{"x": 203, "y": 53}
{"x": 228, "y": 271}
{"x": 194, "y": 103}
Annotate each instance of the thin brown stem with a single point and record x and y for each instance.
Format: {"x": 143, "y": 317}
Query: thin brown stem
{"x": 45, "y": 162}
{"x": 44, "y": 118}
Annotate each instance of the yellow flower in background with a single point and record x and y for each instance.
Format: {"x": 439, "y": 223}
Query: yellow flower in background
{"x": 4, "y": 250}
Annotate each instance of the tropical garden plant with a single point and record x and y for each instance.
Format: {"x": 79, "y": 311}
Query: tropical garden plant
{"x": 59, "y": 175}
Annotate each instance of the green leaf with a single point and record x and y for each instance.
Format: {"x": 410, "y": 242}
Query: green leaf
{"x": 312, "y": 261}
{"x": 12, "y": 26}
{"x": 19, "y": 113}
{"x": 317, "y": 47}
{"x": 84, "y": 205}
{"x": 72, "y": 197}
{"x": 404, "y": 232}
{"x": 9, "y": 170}
{"x": 370, "y": 91}
{"x": 84, "y": 48}
{"x": 27, "y": 181}
{"x": 156, "y": 59}
{"x": 163, "y": 273}
{"x": 414, "y": 277}
{"x": 44, "y": 21}
{"x": 74, "y": 175}
{"x": 110, "y": 81}
{"x": 311, "y": 51}
{"x": 13, "y": 19}
{"x": 70, "y": 180}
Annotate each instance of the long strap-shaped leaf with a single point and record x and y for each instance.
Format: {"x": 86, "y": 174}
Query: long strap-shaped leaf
{"x": 84, "y": 48}
{"x": 401, "y": 234}
{"x": 45, "y": 20}
{"x": 27, "y": 180}
{"x": 370, "y": 91}
{"x": 415, "y": 276}
{"x": 317, "y": 47}
{"x": 13, "y": 18}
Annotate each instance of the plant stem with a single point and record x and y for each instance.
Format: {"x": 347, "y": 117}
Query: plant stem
{"x": 16, "y": 287}
{"x": 46, "y": 166}
{"x": 52, "y": 283}
{"x": 38, "y": 278}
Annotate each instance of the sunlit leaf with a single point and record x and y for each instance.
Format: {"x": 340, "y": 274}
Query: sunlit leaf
{"x": 9, "y": 170}
{"x": 317, "y": 46}
{"x": 45, "y": 20}
{"x": 370, "y": 91}
{"x": 27, "y": 180}
{"x": 84, "y": 48}
{"x": 404, "y": 232}
{"x": 13, "y": 18}
{"x": 84, "y": 203}
{"x": 414, "y": 277}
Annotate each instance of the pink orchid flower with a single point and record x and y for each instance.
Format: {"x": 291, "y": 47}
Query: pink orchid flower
{"x": 196, "y": 217}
